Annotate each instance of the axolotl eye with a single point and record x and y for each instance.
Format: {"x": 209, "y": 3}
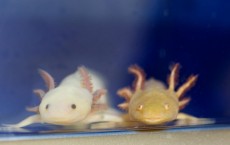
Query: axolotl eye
{"x": 47, "y": 106}
{"x": 73, "y": 106}
{"x": 166, "y": 106}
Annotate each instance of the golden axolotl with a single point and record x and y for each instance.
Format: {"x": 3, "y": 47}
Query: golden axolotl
{"x": 150, "y": 102}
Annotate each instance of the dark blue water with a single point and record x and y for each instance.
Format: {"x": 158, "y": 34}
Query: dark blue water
{"x": 108, "y": 36}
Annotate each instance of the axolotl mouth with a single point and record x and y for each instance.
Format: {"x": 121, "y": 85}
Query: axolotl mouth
{"x": 153, "y": 120}
{"x": 62, "y": 121}
{"x": 156, "y": 119}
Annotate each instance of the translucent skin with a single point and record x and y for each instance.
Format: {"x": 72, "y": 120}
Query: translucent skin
{"x": 153, "y": 106}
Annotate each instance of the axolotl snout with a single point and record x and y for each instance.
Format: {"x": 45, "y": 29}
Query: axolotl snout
{"x": 150, "y": 102}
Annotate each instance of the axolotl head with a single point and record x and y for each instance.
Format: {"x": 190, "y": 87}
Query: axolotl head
{"x": 153, "y": 108}
{"x": 65, "y": 105}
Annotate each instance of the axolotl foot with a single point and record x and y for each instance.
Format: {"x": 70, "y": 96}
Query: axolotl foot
{"x": 28, "y": 121}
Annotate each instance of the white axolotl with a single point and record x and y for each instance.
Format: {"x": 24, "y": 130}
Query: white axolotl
{"x": 75, "y": 100}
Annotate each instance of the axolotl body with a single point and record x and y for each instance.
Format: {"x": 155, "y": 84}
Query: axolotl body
{"x": 77, "y": 96}
{"x": 150, "y": 102}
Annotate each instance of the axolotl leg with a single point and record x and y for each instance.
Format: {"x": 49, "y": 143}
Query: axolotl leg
{"x": 29, "y": 120}
{"x": 186, "y": 119}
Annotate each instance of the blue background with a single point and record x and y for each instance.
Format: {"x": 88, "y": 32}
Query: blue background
{"x": 108, "y": 36}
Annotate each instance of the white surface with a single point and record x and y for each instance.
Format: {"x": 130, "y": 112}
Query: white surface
{"x": 188, "y": 137}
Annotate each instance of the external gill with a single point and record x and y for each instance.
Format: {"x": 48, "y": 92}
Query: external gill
{"x": 126, "y": 93}
{"x": 138, "y": 84}
{"x": 87, "y": 84}
{"x": 49, "y": 81}
{"x": 172, "y": 81}
{"x": 40, "y": 93}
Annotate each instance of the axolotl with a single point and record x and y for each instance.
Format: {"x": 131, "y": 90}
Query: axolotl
{"x": 150, "y": 102}
{"x": 77, "y": 96}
